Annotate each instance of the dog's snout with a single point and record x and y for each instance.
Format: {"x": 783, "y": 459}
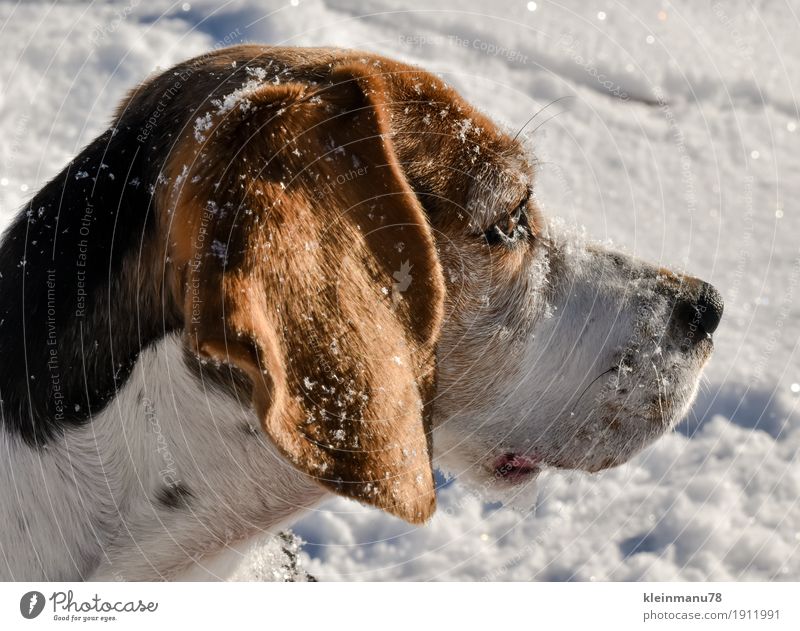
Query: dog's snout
{"x": 701, "y": 312}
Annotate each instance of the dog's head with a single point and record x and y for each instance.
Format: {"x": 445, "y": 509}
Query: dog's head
{"x": 366, "y": 248}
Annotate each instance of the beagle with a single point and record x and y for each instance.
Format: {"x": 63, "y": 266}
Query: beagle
{"x": 287, "y": 272}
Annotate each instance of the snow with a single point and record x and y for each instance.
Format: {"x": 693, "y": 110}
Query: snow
{"x": 680, "y": 145}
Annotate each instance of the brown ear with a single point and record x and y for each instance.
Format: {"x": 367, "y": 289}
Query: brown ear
{"x": 307, "y": 262}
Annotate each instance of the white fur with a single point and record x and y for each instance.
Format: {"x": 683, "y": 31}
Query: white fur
{"x": 84, "y": 506}
{"x": 531, "y": 380}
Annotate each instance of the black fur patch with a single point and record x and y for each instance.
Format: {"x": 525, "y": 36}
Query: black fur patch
{"x": 174, "y": 496}
{"x": 72, "y": 321}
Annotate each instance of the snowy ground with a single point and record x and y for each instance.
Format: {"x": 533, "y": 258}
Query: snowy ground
{"x": 681, "y": 146}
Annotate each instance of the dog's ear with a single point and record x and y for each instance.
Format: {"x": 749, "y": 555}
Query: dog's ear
{"x": 306, "y": 261}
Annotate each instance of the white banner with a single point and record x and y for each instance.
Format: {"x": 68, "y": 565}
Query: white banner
{"x": 400, "y": 606}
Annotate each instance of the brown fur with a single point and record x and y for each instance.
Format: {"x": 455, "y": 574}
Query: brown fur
{"x": 342, "y": 367}
{"x": 288, "y": 273}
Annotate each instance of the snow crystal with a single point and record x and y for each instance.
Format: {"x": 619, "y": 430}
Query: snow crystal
{"x": 220, "y": 250}
{"x": 202, "y": 124}
{"x": 260, "y": 74}
{"x": 463, "y": 127}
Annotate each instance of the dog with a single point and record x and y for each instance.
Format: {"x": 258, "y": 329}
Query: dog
{"x": 288, "y": 272}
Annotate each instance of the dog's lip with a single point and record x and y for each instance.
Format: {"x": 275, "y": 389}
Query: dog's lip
{"x": 516, "y": 467}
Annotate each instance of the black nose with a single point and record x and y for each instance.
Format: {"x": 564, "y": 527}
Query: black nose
{"x": 698, "y": 313}
{"x": 709, "y": 308}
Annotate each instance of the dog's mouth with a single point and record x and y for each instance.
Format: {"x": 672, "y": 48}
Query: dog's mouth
{"x": 513, "y": 468}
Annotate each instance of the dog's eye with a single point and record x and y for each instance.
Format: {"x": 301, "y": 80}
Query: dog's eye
{"x": 511, "y": 229}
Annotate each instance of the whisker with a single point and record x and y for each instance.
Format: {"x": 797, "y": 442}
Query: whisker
{"x": 544, "y": 122}
{"x": 531, "y": 119}
{"x": 658, "y": 385}
{"x": 591, "y": 383}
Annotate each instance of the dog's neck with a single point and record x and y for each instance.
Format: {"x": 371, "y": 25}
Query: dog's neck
{"x": 75, "y": 313}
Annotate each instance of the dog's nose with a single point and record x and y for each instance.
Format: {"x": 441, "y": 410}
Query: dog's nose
{"x": 700, "y": 313}
{"x": 709, "y": 307}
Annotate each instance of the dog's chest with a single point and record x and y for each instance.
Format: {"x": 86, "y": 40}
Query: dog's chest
{"x": 172, "y": 472}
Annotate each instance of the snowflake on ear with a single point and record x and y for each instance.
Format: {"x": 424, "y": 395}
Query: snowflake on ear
{"x": 403, "y": 277}
{"x": 402, "y": 282}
